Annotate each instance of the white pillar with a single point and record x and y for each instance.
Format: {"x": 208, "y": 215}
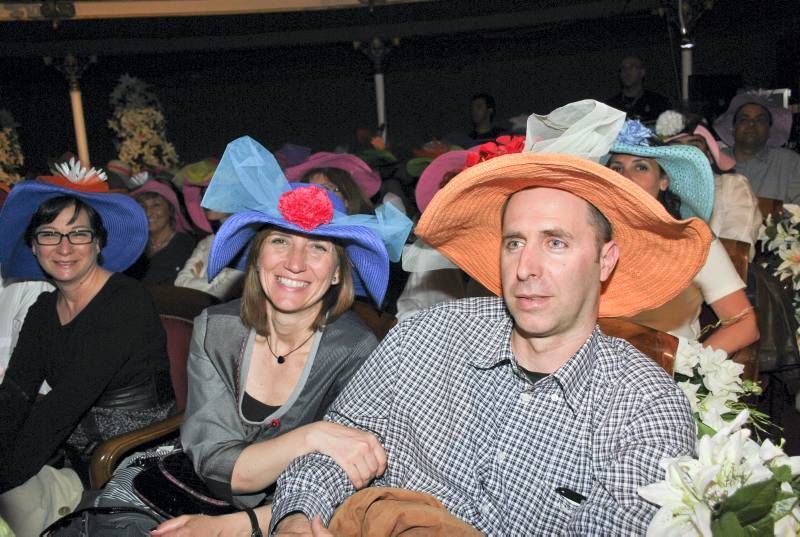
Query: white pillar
{"x": 686, "y": 69}
{"x": 380, "y": 101}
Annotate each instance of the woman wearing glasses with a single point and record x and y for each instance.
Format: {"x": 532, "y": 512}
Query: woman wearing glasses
{"x": 97, "y": 340}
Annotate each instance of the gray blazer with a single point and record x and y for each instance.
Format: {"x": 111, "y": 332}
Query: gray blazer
{"x": 214, "y": 432}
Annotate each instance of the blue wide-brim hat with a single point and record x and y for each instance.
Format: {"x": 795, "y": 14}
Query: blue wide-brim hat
{"x": 250, "y": 184}
{"x": 123, "y": 218}
{"x": 690, "y": 174}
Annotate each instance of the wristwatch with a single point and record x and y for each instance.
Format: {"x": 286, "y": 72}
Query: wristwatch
{"x": 256, "y": 531}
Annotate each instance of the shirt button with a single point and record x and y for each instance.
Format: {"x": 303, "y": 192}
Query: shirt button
{"x": 485, "y": 508}
{"x": 501, "y": 456}
{"x": 555, "y": 397}
{"x": 525, "y": 398}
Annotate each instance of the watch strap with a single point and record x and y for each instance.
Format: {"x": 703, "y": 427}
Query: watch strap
{"x": 256, "y": 530}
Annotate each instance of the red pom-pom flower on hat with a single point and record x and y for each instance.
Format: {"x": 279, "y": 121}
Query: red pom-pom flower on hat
{"x": 504, "y": 145}
{"x": 307, "y": 207}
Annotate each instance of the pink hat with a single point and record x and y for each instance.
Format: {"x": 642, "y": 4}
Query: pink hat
{"x": 781, "y": 120}
{"x": 181, "y": 224}
{"x": 194, "y": 177}
{"x": 365, "y": 177}
{"x": 724, "y": 161}
{"x": 431, "y": 178}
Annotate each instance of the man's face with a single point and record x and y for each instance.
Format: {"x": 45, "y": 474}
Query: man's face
{"x": 550, "y": 268}
{"x": 631, "y": 72}
{"x": 751, "y": 126}
{"x": 479, "y": 111}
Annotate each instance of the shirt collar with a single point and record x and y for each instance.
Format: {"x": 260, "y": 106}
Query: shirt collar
{"x": 497, "y": 334}
{"x": 572, "y": 377}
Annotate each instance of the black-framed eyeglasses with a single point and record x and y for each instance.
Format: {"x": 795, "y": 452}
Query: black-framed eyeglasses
{"x": 53, "y": 238}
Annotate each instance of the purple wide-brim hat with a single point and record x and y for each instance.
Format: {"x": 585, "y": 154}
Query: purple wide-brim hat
{"x": 365, "y": 250}
{"x": 181, "y": 224}
{"x": 365, "y": 177}
{"x": 781, "y": 120}
{"x": 123, "y": 218}
{"x": 431, "y": 178}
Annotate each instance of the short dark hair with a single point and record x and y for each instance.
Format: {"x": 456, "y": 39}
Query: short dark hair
{"x": 488, "y": 99}
{"x": 603, "y": 231}
{"x": 50, "y": 209}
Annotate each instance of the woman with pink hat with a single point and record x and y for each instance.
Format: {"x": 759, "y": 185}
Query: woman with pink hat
{"x": 735, "y": 215}
{"x": 344, "y": 174}
{"x": 432, "y": 277}
{"x": 226, "y": 285}
{"x": 170, "y": 240}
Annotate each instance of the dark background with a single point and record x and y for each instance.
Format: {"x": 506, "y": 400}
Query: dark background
{"x": 296, "y": 76}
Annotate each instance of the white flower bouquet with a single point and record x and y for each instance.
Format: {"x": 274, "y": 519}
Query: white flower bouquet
{"x": 781, "y": 239}
{"x": 138, "y": 121}
{"x": 735, "y": 486}
{"x": 11, "y": 157}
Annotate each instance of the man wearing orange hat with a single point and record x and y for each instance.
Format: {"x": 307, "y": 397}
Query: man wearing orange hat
{"x": 516, "y": 412}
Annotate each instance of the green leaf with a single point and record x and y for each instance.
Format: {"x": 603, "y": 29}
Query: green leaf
{"x": 727, "y": 526}
{"x": 703, "y": 430}
{"x": 782, "y": 473}
{"x": 752, "y": 502}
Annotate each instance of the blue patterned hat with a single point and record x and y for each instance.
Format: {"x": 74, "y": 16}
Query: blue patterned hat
{"x": 250, "y": 184}
{"x": 690, "y": 174}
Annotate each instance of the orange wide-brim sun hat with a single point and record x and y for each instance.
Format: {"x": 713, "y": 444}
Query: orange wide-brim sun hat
{"x": 659, "y": 256}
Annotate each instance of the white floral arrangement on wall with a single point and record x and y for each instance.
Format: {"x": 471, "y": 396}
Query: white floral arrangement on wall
{"x": 781, "y": 238}
{"x": 11, "y": 156}
{"x": 735, "y": 485}
{"x": 139, "y": 124}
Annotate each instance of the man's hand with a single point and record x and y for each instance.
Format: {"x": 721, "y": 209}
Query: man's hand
{"x": 357, "y": 452}
{"x": 297, "y": 525}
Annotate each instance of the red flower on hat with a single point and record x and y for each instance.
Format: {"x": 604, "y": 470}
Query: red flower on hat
{"x": 307, "y": 207}
{"x": 504, "y": 145}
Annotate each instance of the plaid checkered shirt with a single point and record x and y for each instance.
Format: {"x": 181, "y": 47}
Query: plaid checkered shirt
{"x": 445, "y": 396}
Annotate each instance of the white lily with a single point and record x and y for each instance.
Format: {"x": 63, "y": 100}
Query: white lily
{"x": 76, "y": 173}
{"x": 689, "y": 389}
{"x": 719, "y": 373}
{"x": 686, "y": 357}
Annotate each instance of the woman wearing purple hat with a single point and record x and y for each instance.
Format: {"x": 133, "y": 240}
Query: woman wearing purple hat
{"x": 96, "y": 340}
{"x": 263, "y": 369}
{"x": 170, "y": 241}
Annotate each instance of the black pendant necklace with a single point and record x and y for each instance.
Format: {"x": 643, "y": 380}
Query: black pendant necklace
{"x": 281, "y": 358}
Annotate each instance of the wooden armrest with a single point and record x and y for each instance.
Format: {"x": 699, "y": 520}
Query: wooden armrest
{"x": 108, "y": 454}
{"x": 659, "y": 346}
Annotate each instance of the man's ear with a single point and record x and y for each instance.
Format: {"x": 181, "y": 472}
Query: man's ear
{"x": 609, "y": 255}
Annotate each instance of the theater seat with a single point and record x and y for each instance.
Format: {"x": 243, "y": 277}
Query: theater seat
{"x": 658, "y": 346}
{"x": 108, "y": 454}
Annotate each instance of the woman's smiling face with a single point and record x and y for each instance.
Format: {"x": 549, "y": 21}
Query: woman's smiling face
{"x": 296, "y": 270}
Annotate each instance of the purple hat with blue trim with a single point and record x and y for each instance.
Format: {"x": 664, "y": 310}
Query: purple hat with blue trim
{"x": 250, "y": 184}
{"x": 124, "y": 220}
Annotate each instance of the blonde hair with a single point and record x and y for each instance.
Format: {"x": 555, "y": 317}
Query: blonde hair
{"x": 253, "y": 311}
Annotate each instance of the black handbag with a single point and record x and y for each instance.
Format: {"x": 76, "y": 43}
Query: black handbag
{"x": 94, "y": 521}
{"x": 172, "y": 488}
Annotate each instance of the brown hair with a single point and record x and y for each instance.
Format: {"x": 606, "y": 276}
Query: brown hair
{"x": 253, "y": 310}
{"x": 349, "y": 190}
